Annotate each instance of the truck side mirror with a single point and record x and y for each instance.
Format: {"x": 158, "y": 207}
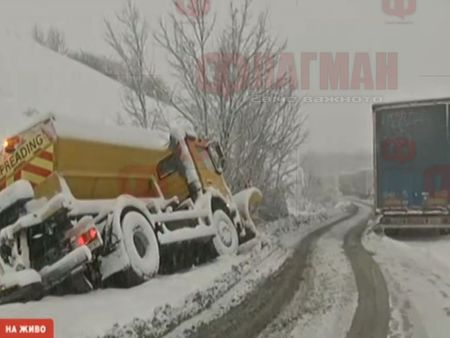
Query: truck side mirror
{"x": 221, "y": 155}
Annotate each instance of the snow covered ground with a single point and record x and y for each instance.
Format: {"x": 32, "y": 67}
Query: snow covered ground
{"x": 98, "y": 311}
{"x": 166, "y": 301}
{"x": 418, "y": 276}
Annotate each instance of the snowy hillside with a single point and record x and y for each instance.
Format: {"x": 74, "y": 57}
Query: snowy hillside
{"x": 33, "y": 77}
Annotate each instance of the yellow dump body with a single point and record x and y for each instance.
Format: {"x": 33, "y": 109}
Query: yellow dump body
{"x": 96, "y": 170}
{"x": 100, "y": 167}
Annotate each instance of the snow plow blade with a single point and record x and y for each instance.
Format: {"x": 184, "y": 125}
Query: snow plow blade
{"x": 247, "y": 201}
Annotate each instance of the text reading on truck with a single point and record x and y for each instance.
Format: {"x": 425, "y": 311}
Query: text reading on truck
{"x": 21, "y": 154}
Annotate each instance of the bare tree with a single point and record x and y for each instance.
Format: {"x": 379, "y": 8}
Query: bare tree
{"x": 236, "y": 94}
{"x": 186, "y": 43}
{"x": 128, "y": 37}
{"x": 56, "y": 40}
{"x": 53, "y": 39}
{"x": 155, "y": 87}
{"x": 38, "y": 35}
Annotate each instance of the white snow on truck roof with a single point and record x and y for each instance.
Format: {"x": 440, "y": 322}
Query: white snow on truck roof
{"x": 99, "y": 131}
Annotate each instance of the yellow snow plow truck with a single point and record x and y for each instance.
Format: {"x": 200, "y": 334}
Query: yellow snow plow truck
{"x": 81, "y": 208}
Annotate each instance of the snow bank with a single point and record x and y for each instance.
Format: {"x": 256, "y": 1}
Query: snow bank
{"x": 288, "y": 234}
{"x": 97, "y": 311}
{"x": 227, "y": 290}
{"x": 417, "y": 273}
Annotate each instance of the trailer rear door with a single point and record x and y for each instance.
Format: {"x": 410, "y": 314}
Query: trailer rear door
{"x": 412, "y": 155}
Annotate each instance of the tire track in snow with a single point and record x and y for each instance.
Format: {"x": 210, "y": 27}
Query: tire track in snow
{"x": 372, "y": 315}
{"x": 327, "y": 299}
{"x": 326, "y": 302}
{"x": 262, "y": 305}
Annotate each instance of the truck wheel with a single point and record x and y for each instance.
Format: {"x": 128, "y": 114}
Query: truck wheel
{"x": 226, "y": 241}
{"x": 142, "y": 248}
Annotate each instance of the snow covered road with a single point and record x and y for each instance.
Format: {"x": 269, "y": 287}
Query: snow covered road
{"x": 372, "y": 313}
{"x": 327, "y": 298}
{"x": 313, "y": 294}
{"x": 343, "y": 293}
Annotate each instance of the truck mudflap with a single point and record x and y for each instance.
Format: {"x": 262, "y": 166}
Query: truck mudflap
{"x": 246, "y": 202}
{"x": 28, "y": 285}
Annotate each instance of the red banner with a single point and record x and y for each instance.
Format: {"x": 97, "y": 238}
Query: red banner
{"x": 26, "y": 328}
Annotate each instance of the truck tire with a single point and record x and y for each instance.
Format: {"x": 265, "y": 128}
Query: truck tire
{"x": 142, "y": 249}
{"x": 226, "y": 241}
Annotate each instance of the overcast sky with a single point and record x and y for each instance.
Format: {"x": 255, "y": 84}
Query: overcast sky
{"x": 346, "y": 26}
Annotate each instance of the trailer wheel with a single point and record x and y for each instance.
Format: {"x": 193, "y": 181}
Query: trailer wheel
{"x": 226, "y": 241}
{"x": 142, "y": 248}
